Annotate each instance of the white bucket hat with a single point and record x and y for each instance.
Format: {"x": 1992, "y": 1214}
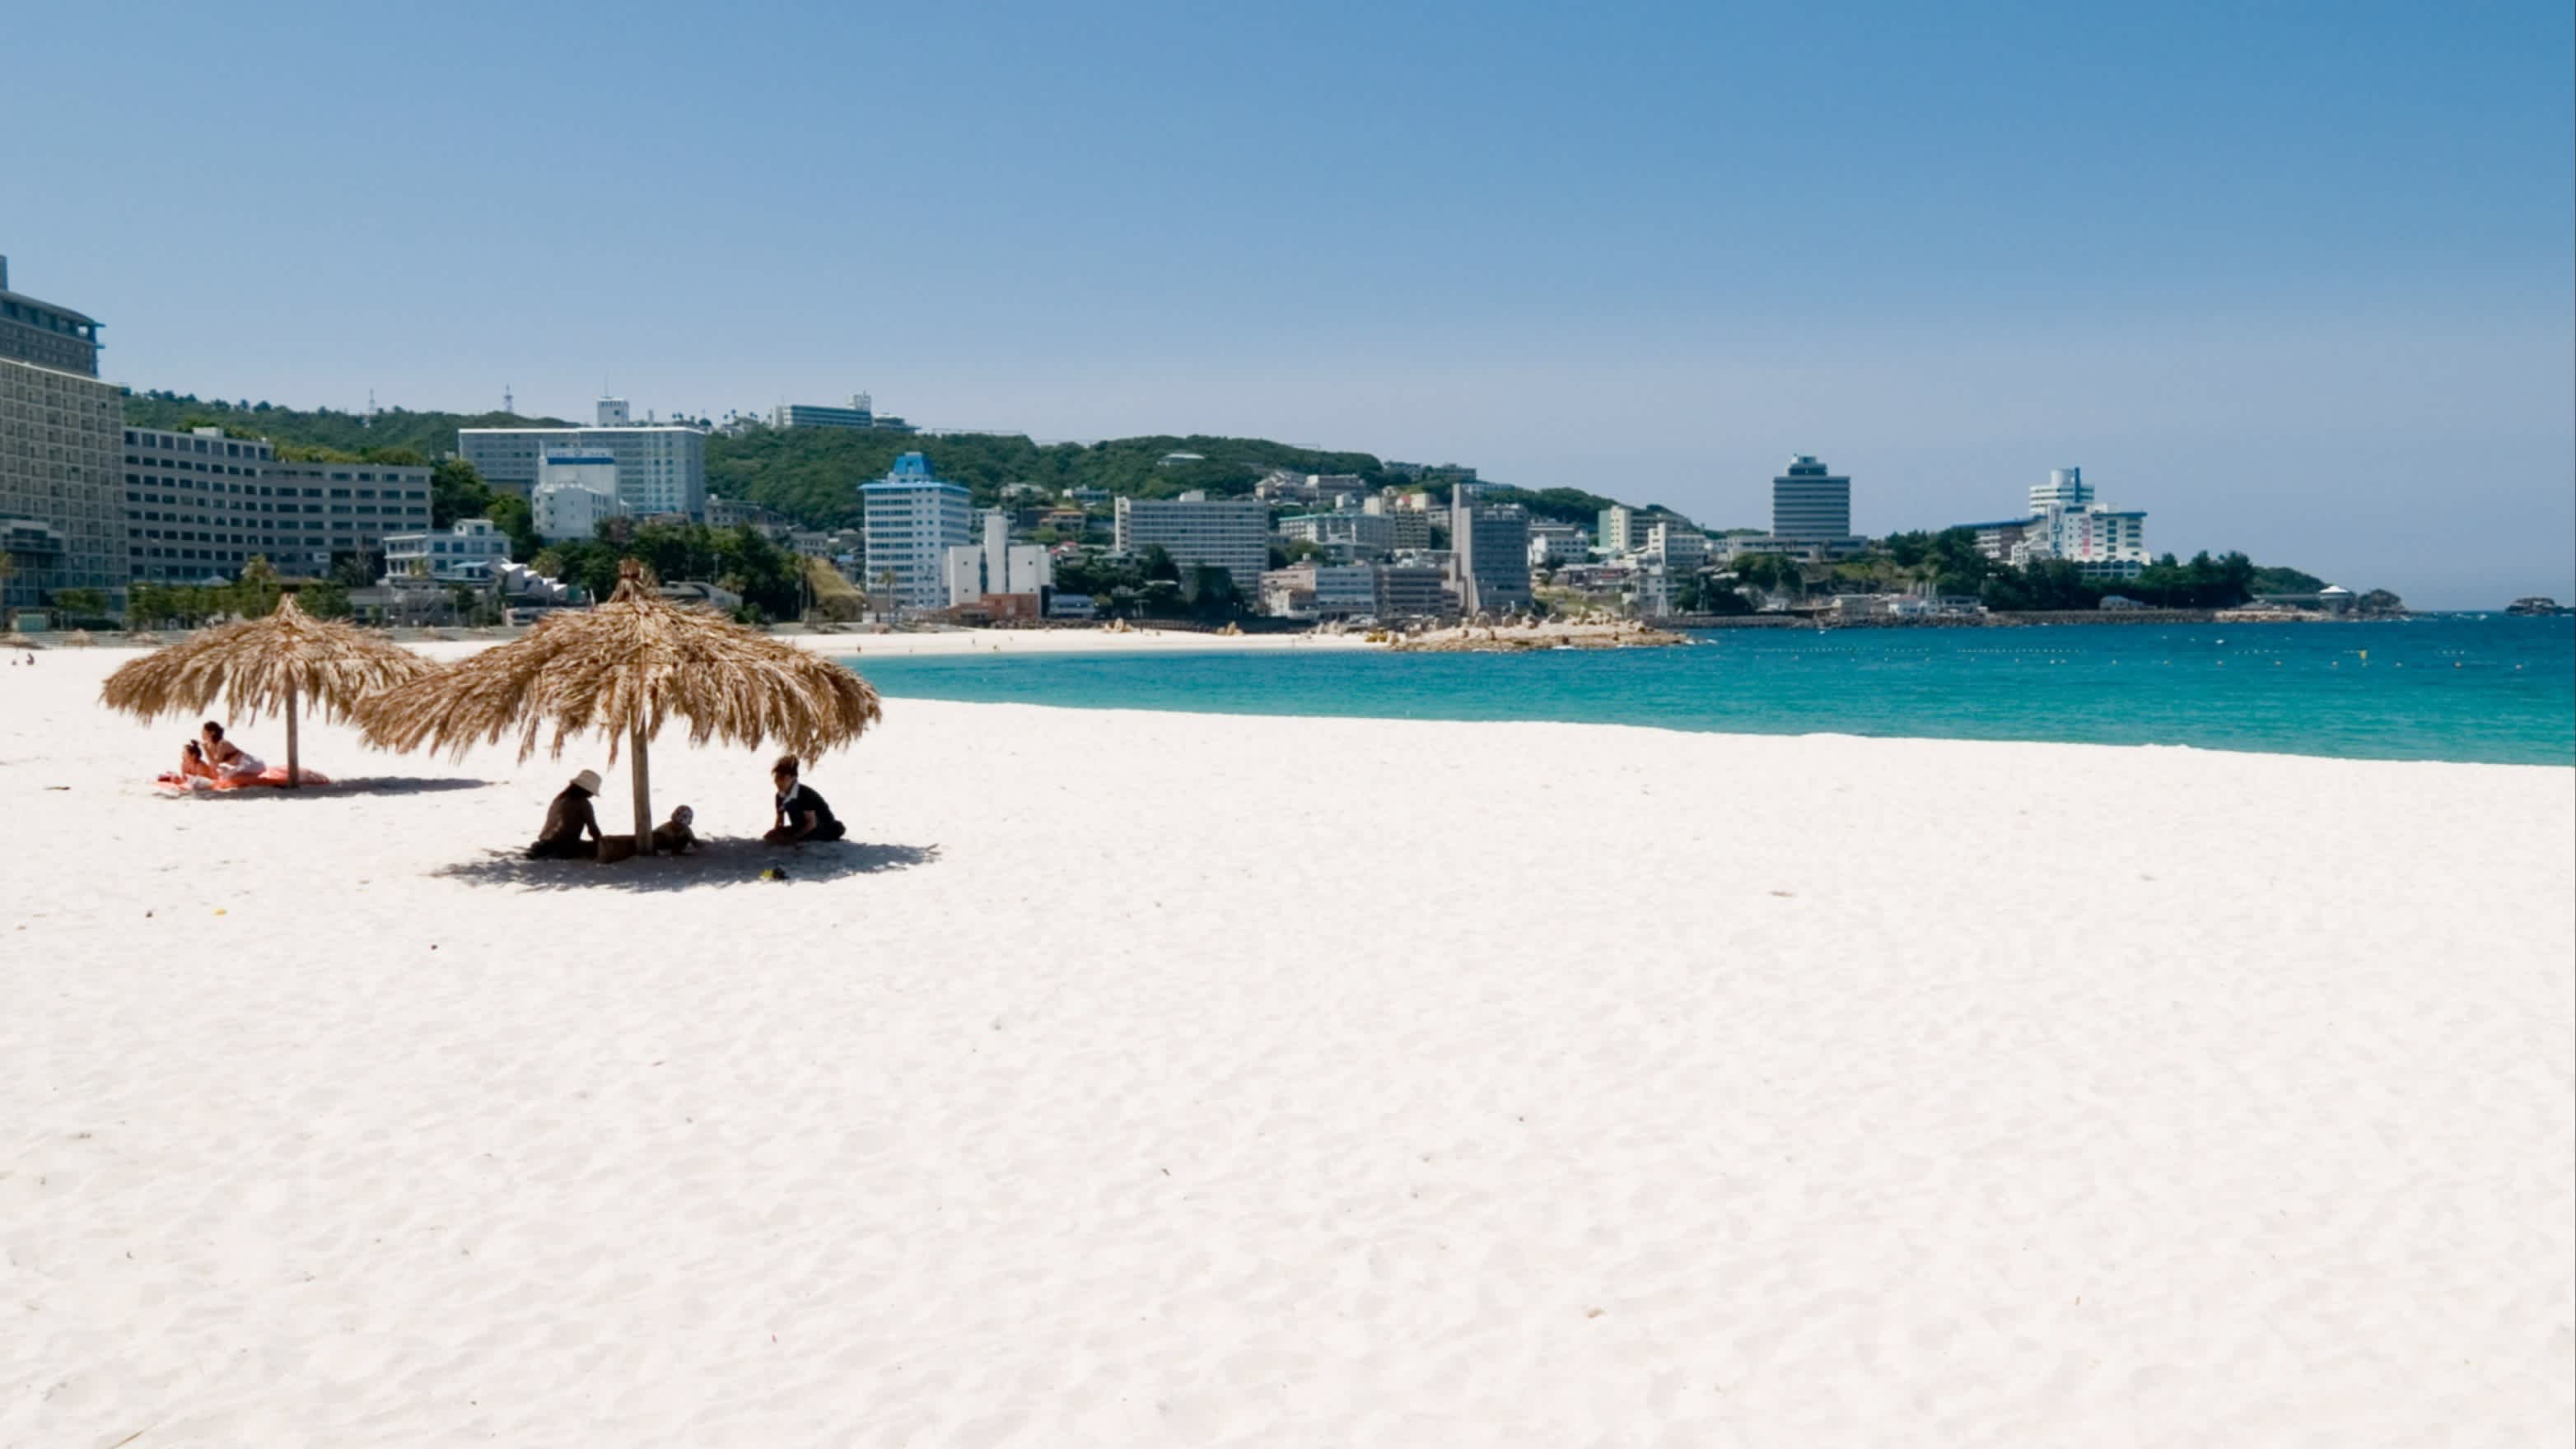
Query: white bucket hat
{"x": 588, "y": 780}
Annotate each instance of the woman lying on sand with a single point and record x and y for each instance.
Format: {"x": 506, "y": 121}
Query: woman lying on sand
{"x": 217, "y": 758}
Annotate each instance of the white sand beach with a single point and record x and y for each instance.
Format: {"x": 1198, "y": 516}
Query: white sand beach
{"x": 1148, "y": 1079}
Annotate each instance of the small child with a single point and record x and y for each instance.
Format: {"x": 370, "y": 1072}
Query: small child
{"x": 673, "y": 836}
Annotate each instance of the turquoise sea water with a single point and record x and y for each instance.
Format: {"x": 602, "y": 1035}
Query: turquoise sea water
{"x": 2493, "y": 688}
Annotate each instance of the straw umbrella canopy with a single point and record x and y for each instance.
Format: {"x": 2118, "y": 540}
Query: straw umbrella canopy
{"x": 280, "y": 662}
{"x": 623, "y": 669}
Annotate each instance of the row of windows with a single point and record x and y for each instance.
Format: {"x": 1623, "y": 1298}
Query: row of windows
{"x": 248, "y": 490}
{"x": 183, "y": 443}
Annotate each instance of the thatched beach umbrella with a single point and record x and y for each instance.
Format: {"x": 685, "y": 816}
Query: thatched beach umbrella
{"x": 622, "y": 669}
{"x": 277, "y": 663}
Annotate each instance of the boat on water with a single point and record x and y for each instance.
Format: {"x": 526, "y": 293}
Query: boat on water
{"x": 2534, "y": 605}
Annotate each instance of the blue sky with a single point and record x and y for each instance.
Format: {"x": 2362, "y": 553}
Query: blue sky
{"x": 2296, "y": 279}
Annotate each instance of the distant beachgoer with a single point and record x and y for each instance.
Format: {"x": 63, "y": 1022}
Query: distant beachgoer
{"x": 802, "y": 814}
{"x": 673, "y": 836}
{"x": 220, "y": 759}
{"x": 569, "y": 820}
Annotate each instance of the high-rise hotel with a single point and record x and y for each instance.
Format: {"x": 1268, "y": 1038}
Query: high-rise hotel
{"x": 912, "y": 520}
{"x": 199, "y": 505}
{"x": 62, "y": 521}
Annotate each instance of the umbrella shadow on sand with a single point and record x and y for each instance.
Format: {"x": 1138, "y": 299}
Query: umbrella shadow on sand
{"x": 715, "y": 863}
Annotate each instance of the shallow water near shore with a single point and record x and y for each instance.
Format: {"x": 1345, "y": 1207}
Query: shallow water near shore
{"x": 2484, "y": 689}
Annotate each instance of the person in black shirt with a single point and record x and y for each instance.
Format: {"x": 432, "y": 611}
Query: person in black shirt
{"x": 802, "y": 814}
{"x": 568, "y": 820}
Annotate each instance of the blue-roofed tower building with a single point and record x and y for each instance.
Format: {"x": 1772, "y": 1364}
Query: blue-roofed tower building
{"x": 912, "y": 519}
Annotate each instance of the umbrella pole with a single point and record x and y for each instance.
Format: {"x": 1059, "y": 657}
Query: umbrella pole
{"x": 643, "y": 797}
{"x": 294, "y": 771}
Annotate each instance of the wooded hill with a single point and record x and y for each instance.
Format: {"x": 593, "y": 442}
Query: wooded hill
{"x": 298, "y": 430}
{"x": 812, "y": 474}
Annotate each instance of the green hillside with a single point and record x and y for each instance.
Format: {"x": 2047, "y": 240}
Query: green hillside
{"x": 428, "y": 434}
{"x": 812, "y": 474}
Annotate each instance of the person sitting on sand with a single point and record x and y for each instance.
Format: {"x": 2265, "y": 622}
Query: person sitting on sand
{"x": 802, "y": 814}
{"x": 568, "y": 820}
{"x": 673, "y": 836}
{"x": 218, "y": 758}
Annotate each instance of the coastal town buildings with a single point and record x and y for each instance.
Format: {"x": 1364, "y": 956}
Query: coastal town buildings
{"x": 1350, "y": 534}
{"x": 861, "y": 414}
{"x": 2067, "y": 522}
{"x": 1320, "y": 591}
{"x": 1414, "y": 590}
{"x": 912, "y": 520}
{"x": 1228, "y": 533}
{"x": 1491, "y": 547}
{"x": 1552, "y": 545}
{"x": 576, "y": 489}
{"x": 1406, "y": 527}
{"x": 1810, "y": 516}
{"x": 661, "y": 467}
{"x": 1672, "y": 552}
{"x": 470, "y": 552}
{"x": 725, "y": 512}
{"x": 1324, "y": 489}
{"x": 1433, "y": 475}
{"x": 996, "y": 566}
{"x": 1621, "y": 529}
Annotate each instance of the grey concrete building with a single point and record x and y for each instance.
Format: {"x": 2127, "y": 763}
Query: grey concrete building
{"x": 61, "y": 522}
{"x": 199, "y": 506}
{"x": 1490, "y": 543}
{"x": 1229, "y": 533}
{"x": 1811, "y": 506}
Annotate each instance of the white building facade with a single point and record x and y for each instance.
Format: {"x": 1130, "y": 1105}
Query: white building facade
{"x": 2067, "y": 522}
{"x": 912, "y": 519}
{"x": 471, "y": 552}
{"x": 576, "y": 488}
{"x": 996, "y": 565}
{"x": 1320, "y": 591}
{"x": 1350, "y": 533}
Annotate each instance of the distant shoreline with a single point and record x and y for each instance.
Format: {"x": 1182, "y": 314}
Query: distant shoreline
{"x": 2008, "y": 619}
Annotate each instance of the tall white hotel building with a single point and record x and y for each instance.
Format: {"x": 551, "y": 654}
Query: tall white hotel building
{"x": 912, "y": 520}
